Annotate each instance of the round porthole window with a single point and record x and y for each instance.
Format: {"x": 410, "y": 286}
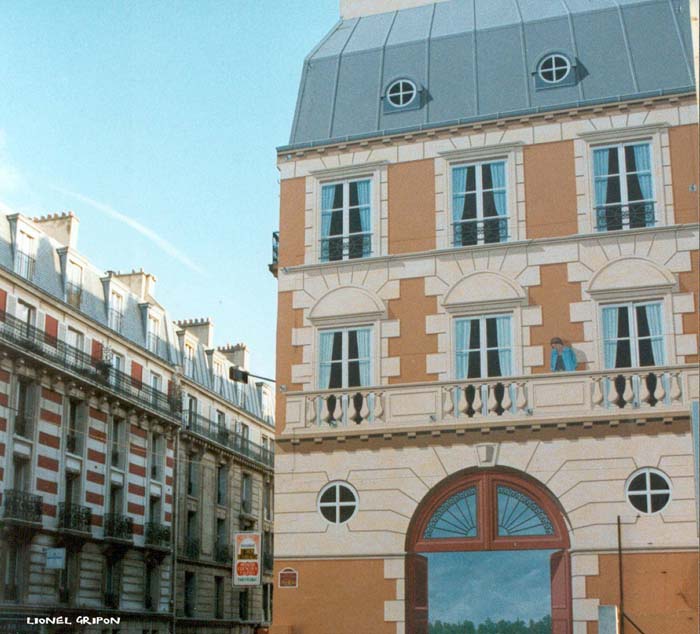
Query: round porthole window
{"x": 337, "y": 502}
{"x": 554, "y": 68}
{"x": 648, "y": 490}
{"x": 401, "y": 93}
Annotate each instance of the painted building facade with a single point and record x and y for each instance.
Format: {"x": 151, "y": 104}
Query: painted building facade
{"x": 123, "y": 444}
{"x": 464, "y": 183}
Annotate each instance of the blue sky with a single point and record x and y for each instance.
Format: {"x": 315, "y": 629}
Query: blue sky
{"x": 475, "y": 586}
{"x": 156, "y": 123}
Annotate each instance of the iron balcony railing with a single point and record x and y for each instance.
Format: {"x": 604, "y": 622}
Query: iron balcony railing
{"x": 480, "y": 231}
{"x": 213, "y": 430}
{"x": 74, "y": 517}
{"x": 613, "y": 217}
{"x": 191, "y": 547}
{"x": 275, "y": 248}
{"x": 157, "y": 534}
{"x": 222, "y": 552}
{"x": 350, "y": 247}
{"x": 25, "y": 264}
{"x": 36, "y": 340}
{"x": 118, "y": 526}
{"x": 23, "y": 506}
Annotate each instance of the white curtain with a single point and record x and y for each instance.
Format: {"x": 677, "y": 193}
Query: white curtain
{"x": 610, "y": 322}
{"x": 324, "y": 358}
{"x": 463, "y": 330}
{"x": 503, "y": 332}
{"x": 363, "y": 353}
{"x": 656, "y": 331}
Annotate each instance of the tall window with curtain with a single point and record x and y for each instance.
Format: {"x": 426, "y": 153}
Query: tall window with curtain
{"x": 483, "y": 347}
{"x": 479, "y": 203}
{"x": 624, "y": 188}
{"x": 346, "y": 220}
{"x": 633, "y": 335}
{"x": 345, "y": 358}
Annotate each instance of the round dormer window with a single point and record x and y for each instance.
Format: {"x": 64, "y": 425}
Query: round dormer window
{"x": 401, "y": 93}
{"x": 554, "y": 68}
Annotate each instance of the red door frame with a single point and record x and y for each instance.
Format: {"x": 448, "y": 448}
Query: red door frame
{"x": 486, "y": 482}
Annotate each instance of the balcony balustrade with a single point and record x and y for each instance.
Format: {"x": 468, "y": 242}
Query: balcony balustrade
{"x": 156, "y": 534}
{"x": 349, "y": 247}
{"x": 74, "y": 517}
{"x": 572, "y": 395}
{"x": 118, "y": 526}
{"x": 19, "y": 333}
{"x": 214, "y": 431}
{"x": 22, "y": 506}
{"x": 191, "y": 547}
{"x": 634, "y": 215}
{"x": 222, "y": 552}
{"x": 480, "y": 231}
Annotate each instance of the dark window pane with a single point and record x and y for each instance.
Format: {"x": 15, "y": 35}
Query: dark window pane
{"x": 658, "y": 501}
{"x": 489, "y": 205}
{"x": 338, "y": 196}
{"x": 623, "y": 323}
{"x": 469, "y": 207}
{"x": 486, "y": 177}
{"x": 494, "y": 230}
{"x": 630, "y": 162}
{"x": 329, "y": 512}
{"x": 646, "y": 354}
{"x": 639, "y": 502}
{"x": 658, "y": 482}
{"x": 491, "y": 333}
{"x": 356, "y": 222}
{"x": 610, "y": 218}
{"x": 336, "y": 228}
{"x": 346, "y": 495}
{"x": 634, "y": 189}
{"x": 642, "y": 322}
{"x": 466, "y": 234}
{"x": 332, "y": 249}
{"x": 353, "y": 194}
{"x": 494, "y": 363}
{"x": 353, "y": 373}
{"x": 352, "y": 344}
{"x": 359, "y": 246}
{"x": 328, "y": 495}
{"x": 474, "y": 370}
{"x": 471, "y": 179}
{"x": 613, "y": 163}
{"x": 474, "y": 335}
{"x": 613, "y": 193}
{"x": 639, "y": 483}
{"x": 337, "y": 346}
{"x": 336, "y": 378}
{"x": 623, "y": 358}
{"x": 346, "y": 512}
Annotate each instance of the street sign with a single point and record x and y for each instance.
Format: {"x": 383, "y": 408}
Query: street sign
{"x": 288, "y": 578}
{"x": 246, "y": 561}
{"x": 55, "y": 558}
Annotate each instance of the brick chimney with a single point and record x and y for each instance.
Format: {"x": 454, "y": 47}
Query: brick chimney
{"x": 61, "y": 227}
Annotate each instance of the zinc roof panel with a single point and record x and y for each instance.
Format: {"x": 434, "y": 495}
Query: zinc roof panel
{"x": 411, "y": 25}
{"x": 453, "y": 18}
{"x": 371, "y": 32}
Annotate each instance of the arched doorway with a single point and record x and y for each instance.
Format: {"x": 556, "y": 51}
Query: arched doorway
{"x": 487, "y": 510}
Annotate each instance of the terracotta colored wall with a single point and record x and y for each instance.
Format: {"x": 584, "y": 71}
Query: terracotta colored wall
{"x": 554, "y": 294}
{"x": 550, "y": 189}
{"x": 690, "y": 282}
{"x": 338, "y": 596}
{"x": 287, "y": 355}
{"x": 292, "y": 210}
{"x": 661, "y": 590}
{"x": 414, "y": 344}
{"x": 411, "y": 206}
{"x": 683, "y": 141}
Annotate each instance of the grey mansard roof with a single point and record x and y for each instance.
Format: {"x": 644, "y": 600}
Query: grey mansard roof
{"x": 476, "y": 59}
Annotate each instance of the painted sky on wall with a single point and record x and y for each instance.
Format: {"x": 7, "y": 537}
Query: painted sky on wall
{"x": 156, "y": 123}
{"x": 474, "y": 586}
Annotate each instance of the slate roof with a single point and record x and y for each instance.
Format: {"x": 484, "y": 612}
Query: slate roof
{"x": 476, "y": 59}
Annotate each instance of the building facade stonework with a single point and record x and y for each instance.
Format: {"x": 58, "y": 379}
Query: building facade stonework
{"x": 434, "y": 238}
{"x": 128, "y": 459}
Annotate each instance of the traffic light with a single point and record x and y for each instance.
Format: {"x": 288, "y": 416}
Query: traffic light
{"x": 238, "y": 375}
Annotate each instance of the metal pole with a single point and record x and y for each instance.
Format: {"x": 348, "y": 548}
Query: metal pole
{"x": 619, "y": 573}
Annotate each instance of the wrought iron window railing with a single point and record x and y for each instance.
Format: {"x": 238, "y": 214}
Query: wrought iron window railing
{"x": 74, "y": 517}
{"x": 350, "y": 247}
{"x": 36, "y": 340}
{"x": 20, "y": 505}
{"x": 118, "y": 526}
{"x": 222, "y": 552}
{"x": 156, "y": 534}
{"x": 25, "y": 264}
{"x": 191, "y": 547}
{"x": 215, "y": 431}
{"x": 480, "y": 231}
{"x": 74, "y": 294}
{"x": 275, "y": 248}
{"x": 631, "y": 216}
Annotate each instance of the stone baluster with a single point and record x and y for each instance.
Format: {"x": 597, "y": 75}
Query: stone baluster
{"x": 506, "y": 401}
{"x": 477, "y": 404}
{"x": 521, "y": 396}
{"x": 660, "y": 391}
{"x": 598, "y": 393}
{"x": 676, "y": 389}
{"x": 310, "y": 411}
{"x": 448, "y": 404}
{"x": 338, "y": 410}
{"x": 325, "y": 414}
{"x": 644, "y": 394}
{"x": 628, "y": 392}
{"x": 463, "y": 404}
{"x": 492, "y": 402}
{"x": 364, "y": 409}
{"x": 378, "y": 407}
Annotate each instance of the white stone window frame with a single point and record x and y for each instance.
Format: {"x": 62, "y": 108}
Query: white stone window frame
{"x": 344, "y": 326}
{"x": 482, "y": 312}
{"x": 512, "y": 154}
{"x": 659, "y": 156}
{"x": 648, "y": 491}
{"x": 338, "y": 504}
{"x": 376, "y": 173}
{"x": 636, "y": 298}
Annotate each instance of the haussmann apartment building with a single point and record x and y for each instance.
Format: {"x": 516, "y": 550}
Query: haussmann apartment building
{"x": 465, "y": 182}
{"x": 128, "y": 458}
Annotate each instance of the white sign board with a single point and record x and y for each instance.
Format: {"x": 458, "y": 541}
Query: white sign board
{"x": 246, "y": 561}
{"x": 55, "y": 558}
